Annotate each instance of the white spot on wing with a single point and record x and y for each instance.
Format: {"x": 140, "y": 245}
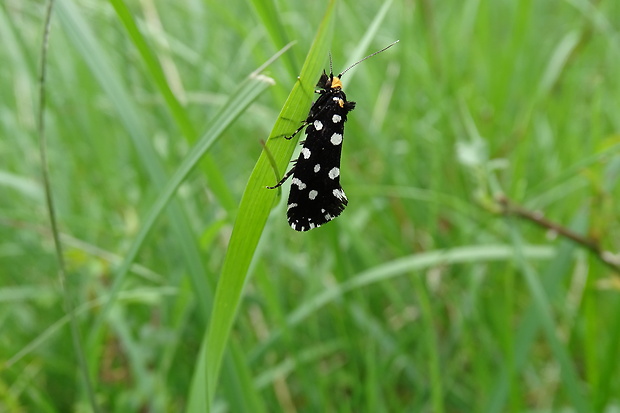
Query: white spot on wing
{"x": 312, "y": 194}
{"x": 334, "y": 173}
{"x": 317, "y": 168}
{"x": 336, "y": 139}
{"x": 306, "y": 153}
{"x": 336, "y": 118}
{"x": 299, "y": 184}
{"x": 318, "y": 125}
{"x": 293, "y": 205}
{"x": 339, "y": 193}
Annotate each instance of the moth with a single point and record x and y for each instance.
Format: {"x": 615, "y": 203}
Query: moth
{"x": 316, "y": 196}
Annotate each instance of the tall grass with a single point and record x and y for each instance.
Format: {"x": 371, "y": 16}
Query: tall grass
{"x": 192, "y": 293}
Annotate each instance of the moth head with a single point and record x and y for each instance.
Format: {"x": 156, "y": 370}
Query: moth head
{"x": 335, "y": 82}
{"x": 330, "y": 81}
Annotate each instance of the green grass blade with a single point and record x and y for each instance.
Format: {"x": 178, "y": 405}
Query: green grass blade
{"x": 530, "y": 326}
{"x": 129, "y": 115}
{"x": 154, "y": 69}
{"x": 362, "y": 46}
{"x": 254, "y": 210}
{"x": 569, "y": 375}
{"x": 68, "y": 287}
{"x": 271, "y": 19}
{"x": 401, "y": 266}
{"x": 240, "y": 99}
{"x": 431, "y": 342}
{"x": 175, "y": 108}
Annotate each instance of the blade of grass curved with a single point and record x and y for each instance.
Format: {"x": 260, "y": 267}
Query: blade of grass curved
{"x": 569, "y": 377}
{"x": 254, "y": 209}
{"x": 270, "y": 16}
{"x": 530, "y": 326}
{"x": 88, "y": 45}
{"x": 150, "y": 60}
{"x": 240, "y": 99}
{"x": 141, "y": 295}
{"x": 154, "y": 69}
{"x": 400, "y": 266}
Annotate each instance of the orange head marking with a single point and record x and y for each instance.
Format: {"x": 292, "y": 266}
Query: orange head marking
{"x": 336, "y": 83}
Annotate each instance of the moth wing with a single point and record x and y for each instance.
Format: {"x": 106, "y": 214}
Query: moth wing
{"x": 316, "y": 195}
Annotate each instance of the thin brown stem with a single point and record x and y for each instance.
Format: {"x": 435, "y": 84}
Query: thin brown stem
{"x": 537, "y": 218}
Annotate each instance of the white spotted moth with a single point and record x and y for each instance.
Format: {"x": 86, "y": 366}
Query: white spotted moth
{"x": 316, "y": 196}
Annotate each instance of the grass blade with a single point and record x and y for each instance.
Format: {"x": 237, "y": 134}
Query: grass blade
{"x": 254, "y": 209}
{"x": 240, "y": 99}
{"x": 569, "y": 376}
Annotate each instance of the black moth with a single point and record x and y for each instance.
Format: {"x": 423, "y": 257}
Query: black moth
{"x": 316, "y": 196}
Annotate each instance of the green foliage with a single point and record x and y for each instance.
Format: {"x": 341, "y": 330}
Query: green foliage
{"x": 190, "y": 291}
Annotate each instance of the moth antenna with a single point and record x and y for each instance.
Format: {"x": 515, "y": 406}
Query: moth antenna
{"x": 360, "y": 61}
{"x": 331, "y": 70}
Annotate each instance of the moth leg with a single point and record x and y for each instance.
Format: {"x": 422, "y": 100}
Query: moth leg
{"x": 308, "y": 121}
{"x": 279, "y": 184}
{"x": 303, "y": 125}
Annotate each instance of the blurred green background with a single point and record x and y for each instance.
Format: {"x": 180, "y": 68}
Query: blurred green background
{"x": 421, "y": 297}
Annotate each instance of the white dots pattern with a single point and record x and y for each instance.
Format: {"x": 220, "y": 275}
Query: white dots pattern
{"x": 339, "y": 193}
{"x": 317, "y": 168}
{"x": 336, "y": 139}
{"x": 299, "y": 184}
